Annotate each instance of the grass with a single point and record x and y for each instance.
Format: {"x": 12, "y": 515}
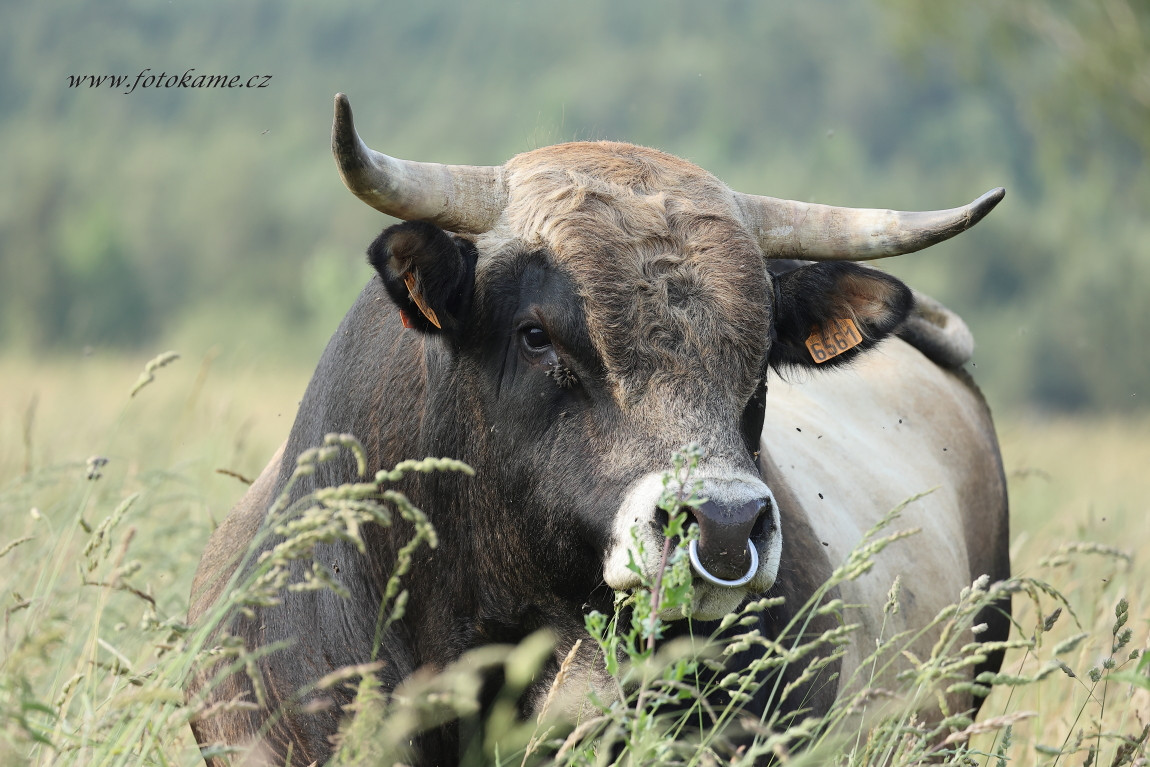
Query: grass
{"x": 68, "y": 642}
{"x": 98, "y": 558}
{"x": 1080, "y": 494}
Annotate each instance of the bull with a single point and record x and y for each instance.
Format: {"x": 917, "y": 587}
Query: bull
{"x": 562, "y": 323}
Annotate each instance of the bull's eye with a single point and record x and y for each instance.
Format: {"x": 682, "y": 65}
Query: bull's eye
{"x": 535, "y": 338}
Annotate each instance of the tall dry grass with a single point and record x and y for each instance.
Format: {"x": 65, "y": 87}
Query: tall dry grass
{"x": 106, "y": 501}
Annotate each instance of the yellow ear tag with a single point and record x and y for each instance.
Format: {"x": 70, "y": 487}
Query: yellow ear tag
{"x": 833, "y": 339}
{"x": 417, "y": 297}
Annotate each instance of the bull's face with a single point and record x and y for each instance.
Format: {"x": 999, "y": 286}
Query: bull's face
{"x": 596, "y": 329}
{"x": 601, "y": 305}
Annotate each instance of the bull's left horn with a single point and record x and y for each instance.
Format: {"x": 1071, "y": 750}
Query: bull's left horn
{"x": 459, "y": 198}
{"x": 789, "y": 229}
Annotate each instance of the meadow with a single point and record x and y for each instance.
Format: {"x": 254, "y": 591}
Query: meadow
{"x": 107, "y": 498}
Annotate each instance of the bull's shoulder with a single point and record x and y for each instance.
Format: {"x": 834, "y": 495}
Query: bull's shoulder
{"x": 850, "y": 445}
{"x": 229, "y": 541}
{"x": 856, "y": 442}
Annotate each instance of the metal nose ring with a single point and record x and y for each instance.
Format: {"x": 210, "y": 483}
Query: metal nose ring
{"x": 693, "y": 551}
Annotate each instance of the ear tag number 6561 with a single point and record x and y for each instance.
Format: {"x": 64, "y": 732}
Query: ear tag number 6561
{"x": 832, "y": 339}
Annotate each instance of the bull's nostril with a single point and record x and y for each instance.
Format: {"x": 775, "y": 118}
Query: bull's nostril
{"x": 760, "y": 529}
{"x": 662, "y": 519}
{"x": 765, "y": 524}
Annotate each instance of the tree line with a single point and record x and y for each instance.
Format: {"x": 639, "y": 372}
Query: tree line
{"x": 131, "y": 218}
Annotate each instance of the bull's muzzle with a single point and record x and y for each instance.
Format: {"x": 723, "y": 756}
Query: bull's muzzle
{"x": 724, "y": 553}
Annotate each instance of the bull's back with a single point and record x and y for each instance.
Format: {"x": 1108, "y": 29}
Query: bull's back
{"x": 851, "y": 445}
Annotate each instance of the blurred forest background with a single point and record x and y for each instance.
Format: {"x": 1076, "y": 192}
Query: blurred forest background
{"x": 214, "y": 218}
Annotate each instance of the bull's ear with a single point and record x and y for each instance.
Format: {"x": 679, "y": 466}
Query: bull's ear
{"x": 429, "y": 273}
{"x": 827, "y": 313}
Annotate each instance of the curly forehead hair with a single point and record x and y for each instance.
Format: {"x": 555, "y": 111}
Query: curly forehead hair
{"x": 671, "y": 281}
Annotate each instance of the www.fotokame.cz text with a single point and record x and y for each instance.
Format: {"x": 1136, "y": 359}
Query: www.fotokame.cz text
{"x": 189, "y": 79}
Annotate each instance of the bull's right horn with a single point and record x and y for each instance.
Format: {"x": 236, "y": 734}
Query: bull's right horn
{"x": 790, "y": 229}
{"x": 458, "y": 198}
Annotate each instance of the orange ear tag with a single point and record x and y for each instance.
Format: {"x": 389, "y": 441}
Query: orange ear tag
{"x": 417, "y": 297}
{"x": 407, "y": 323}
{"x": 831, "y": 340}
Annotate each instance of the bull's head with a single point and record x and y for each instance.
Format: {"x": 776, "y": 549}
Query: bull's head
{"x": 616, "y": 303}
